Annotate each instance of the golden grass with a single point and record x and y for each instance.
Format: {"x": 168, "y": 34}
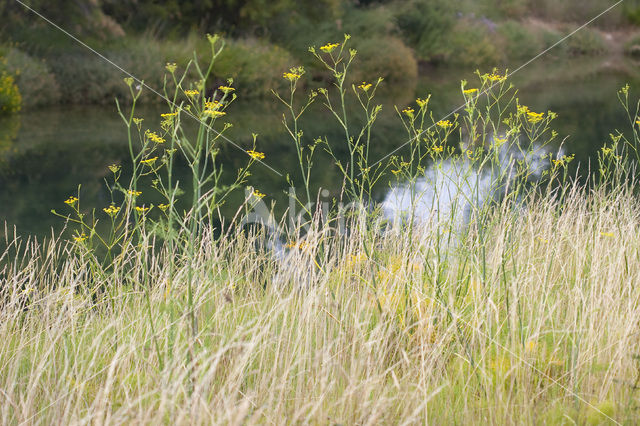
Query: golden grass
{"x": 532, "y": 321}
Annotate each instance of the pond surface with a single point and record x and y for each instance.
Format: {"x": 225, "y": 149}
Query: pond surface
{"x": 46, "y": 154}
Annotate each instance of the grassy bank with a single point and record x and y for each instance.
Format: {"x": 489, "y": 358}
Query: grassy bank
{"x": 512, "y": 302}
{"x": 535, "y": 322}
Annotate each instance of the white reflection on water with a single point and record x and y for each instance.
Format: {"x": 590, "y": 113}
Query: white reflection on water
{"x": 452, "y": 189}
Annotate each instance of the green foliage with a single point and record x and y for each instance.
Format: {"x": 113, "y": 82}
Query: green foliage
{"x": 10, "y": 98}
{"x": 519, "y": 42}
{"x": 255, "y": 66}
{"x": 34, "y": 79}
{"x": 585, "y": 42}
{"x": 386, "y": 57}
{"x": 472, "y": 45}
{"x": 425, "y": 25}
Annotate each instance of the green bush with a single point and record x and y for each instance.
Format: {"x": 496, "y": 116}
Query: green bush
{"x": 255, "y": 66}
{"x": 519, "y": 42}
{"x": 386, "y": 57}
{"x": 10, "y": 99}
{"x": 36, "y": 82}
{"x": 471, "y": 45}
{"x": 425, "y": 24}
{"x": 585, "y": 42}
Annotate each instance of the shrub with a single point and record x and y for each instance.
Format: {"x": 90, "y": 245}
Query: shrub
{"x": 386, "y": 57}
{"x": 519, "y": 41}
{"x": 472, "y": 45}
{"x": 34, "y": 79}
{"x": 255, "y": 66}
{"x": 10, "y": 98}
{"x": 585, "y": 42}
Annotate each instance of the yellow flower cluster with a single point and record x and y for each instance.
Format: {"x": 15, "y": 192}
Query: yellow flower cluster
{"x": 213, "y": 113}
{"x": 469, "y": 91}
{"x": 134, "y": 193}
{"x": 422, "y": 102}
{"x": 255, "y": 154}
{"x": 364, "y": 86}
{"x": 329, "y": 47}
{"x": 114, "y": 168}
{"x": 437, "y": 149}
{"x": 408, "y": 112}
{"x": 445, "y": 124}
{"x": 143, "y": 209}
{"x": 171, "y": 67}
{"x": 80, "y": 238}
{"x": 71, "y": 201}
{"x": 112, "y": 210}
{"x": 149, "y": 161}
{"x": 191, "y": 93}
{"x": 153, "y": 137}
{"x": 258, "y": 194}
{"x": 226, "y": 89}
{"x": 294, "y": 74}
{"x": 493, "y": 77}
{"x": 163, "y": 207}
{"x": 168, "y": 115}
{"x": 535, "y": 117}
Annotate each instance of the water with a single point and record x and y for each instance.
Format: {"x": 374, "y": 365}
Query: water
{"x": 46, "y": 154}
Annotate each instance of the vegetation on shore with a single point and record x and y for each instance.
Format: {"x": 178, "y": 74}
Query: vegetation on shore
{"x": 394, "y": 38}
{"x": 524, "y": 312}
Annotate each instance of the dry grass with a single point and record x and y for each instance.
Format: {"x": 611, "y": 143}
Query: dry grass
{"x": 533, "y": 320}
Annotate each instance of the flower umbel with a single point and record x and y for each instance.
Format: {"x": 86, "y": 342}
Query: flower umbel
{"x": 255, "y": 154}
{"x": 71, "y": 201}
{"x": 329, "y": 47}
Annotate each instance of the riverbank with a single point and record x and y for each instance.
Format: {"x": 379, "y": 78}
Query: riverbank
{"x": 50, "y": 69}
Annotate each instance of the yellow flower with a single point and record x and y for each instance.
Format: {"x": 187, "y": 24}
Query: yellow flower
{"x": 169, "y": 114}
{"x": 212, "y": 105}
{"x": 111, "y": 210}
{"x": 469, "y": 91}
{"x": 171, "y": 67}
{"x": 163, "y": 207}
{"x": 408, "y": 112}
{"x": 294, "y": 74}
{"x": 291, "y": 76}
{"x": 214, "y": 113}
{"x": 364, "y": 86}
{"x": 71, "y": 201}
{"x": 258, "y": 194}
{"x": 607, "y": 234}
{"x": 422, "y": 102}
{"x": 499, "y": 141}
{"x": 226, "y": 89}
{"x": 396, "y": 172}
{"x": 153, "y": 136}
{"x": 114, "y": 168}
{"x": 445, "y": 124}
{"x": 437, "y": 149}
{"x": 493, "y": 77}
{"x": 534, "y": 117}
{"x": 329, "y": 47}
{"x": 191, "y": 93}
{"x": 256, "y": 155}
{"x": 81, "y": 237}
{"x": 149, "y": 161}
{"x": 134, "y": 193}
{"x": 143, "y": 209}
{"x": 523, "y": 109}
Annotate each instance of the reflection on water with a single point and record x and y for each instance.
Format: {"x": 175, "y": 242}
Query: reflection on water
{"x": 452, "y": 189}
{"x": 45, "y": 155}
